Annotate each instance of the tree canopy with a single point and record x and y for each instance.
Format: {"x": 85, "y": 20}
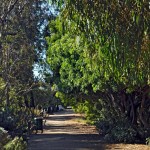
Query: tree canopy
{"x": 100, "y": 50}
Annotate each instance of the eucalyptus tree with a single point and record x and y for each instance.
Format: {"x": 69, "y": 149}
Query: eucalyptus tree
{"x": 20, "y": 40}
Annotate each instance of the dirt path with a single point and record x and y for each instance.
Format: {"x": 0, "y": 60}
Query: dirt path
{"x": 65, "y": 131}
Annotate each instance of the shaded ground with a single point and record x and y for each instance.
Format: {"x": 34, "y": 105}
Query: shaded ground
{"x": 66, "y": 131}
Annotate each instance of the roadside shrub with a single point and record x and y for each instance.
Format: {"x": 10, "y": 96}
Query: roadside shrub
{"x": 16, "y": 144}
{"x": 4, "y": 137}
{"x": 104, "y": 126}
{"x": 125, "y": 134}
{"x": 16, "y": 121}
{"x": 7, "y": 143}
{"x": 79, "y": 108}
{"x": 8, "y": 123}
{"x": 148, "y": 141}
{"x": 116, "y": 130}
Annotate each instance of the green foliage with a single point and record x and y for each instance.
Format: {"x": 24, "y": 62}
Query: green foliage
{"x": 101, "y": 60}
{"x": 104, "y": 126}
{"x": 117, "y": 129}
{"x": 43, "y": 95}
{"x": 6, "y": 143}
{"x": 16, "y": 120}
{"x": 121, "y": 133}
{"x": 4, "y": 136}
{"x": 21, "y": 45}
{"x": 148, "y": 141}
{"x": 112, "y": 38}
{"x": 16, "y": 144}
{"x": 80, "y": 108}
{"x": 92, "y": 114}
{"x": 65, "y": 99}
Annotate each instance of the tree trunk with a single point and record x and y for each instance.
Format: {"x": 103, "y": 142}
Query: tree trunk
{"x": 32, "y": 103}
{"x": 142, "y": 109}
{"x": 7, "y": 96}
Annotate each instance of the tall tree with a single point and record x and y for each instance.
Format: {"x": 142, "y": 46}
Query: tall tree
{"x": 21, "y": 39}
{"x": 111, "y": 42}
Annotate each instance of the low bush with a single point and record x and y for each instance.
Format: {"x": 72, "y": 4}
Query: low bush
{"x": 125, "y": 134}
{"x": 148, "y": 141}
{"x": 16, "y": 144}
{"x": 4, "y": 137}
{"x": 119, "y": 130}
{"x": 7, "y": 143}
{"x": 104, "y": 126}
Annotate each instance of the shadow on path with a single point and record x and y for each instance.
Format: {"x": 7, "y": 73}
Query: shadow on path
{"x": 61, "y": 132}
{"x": 66, "y": 142}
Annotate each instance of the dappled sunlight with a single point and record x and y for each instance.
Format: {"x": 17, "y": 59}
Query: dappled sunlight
{"x": 68, "y": 122}
{"x": 63, "y": 131}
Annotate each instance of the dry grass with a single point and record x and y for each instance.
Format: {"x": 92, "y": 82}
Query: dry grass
{"x": 127, "y": 147}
